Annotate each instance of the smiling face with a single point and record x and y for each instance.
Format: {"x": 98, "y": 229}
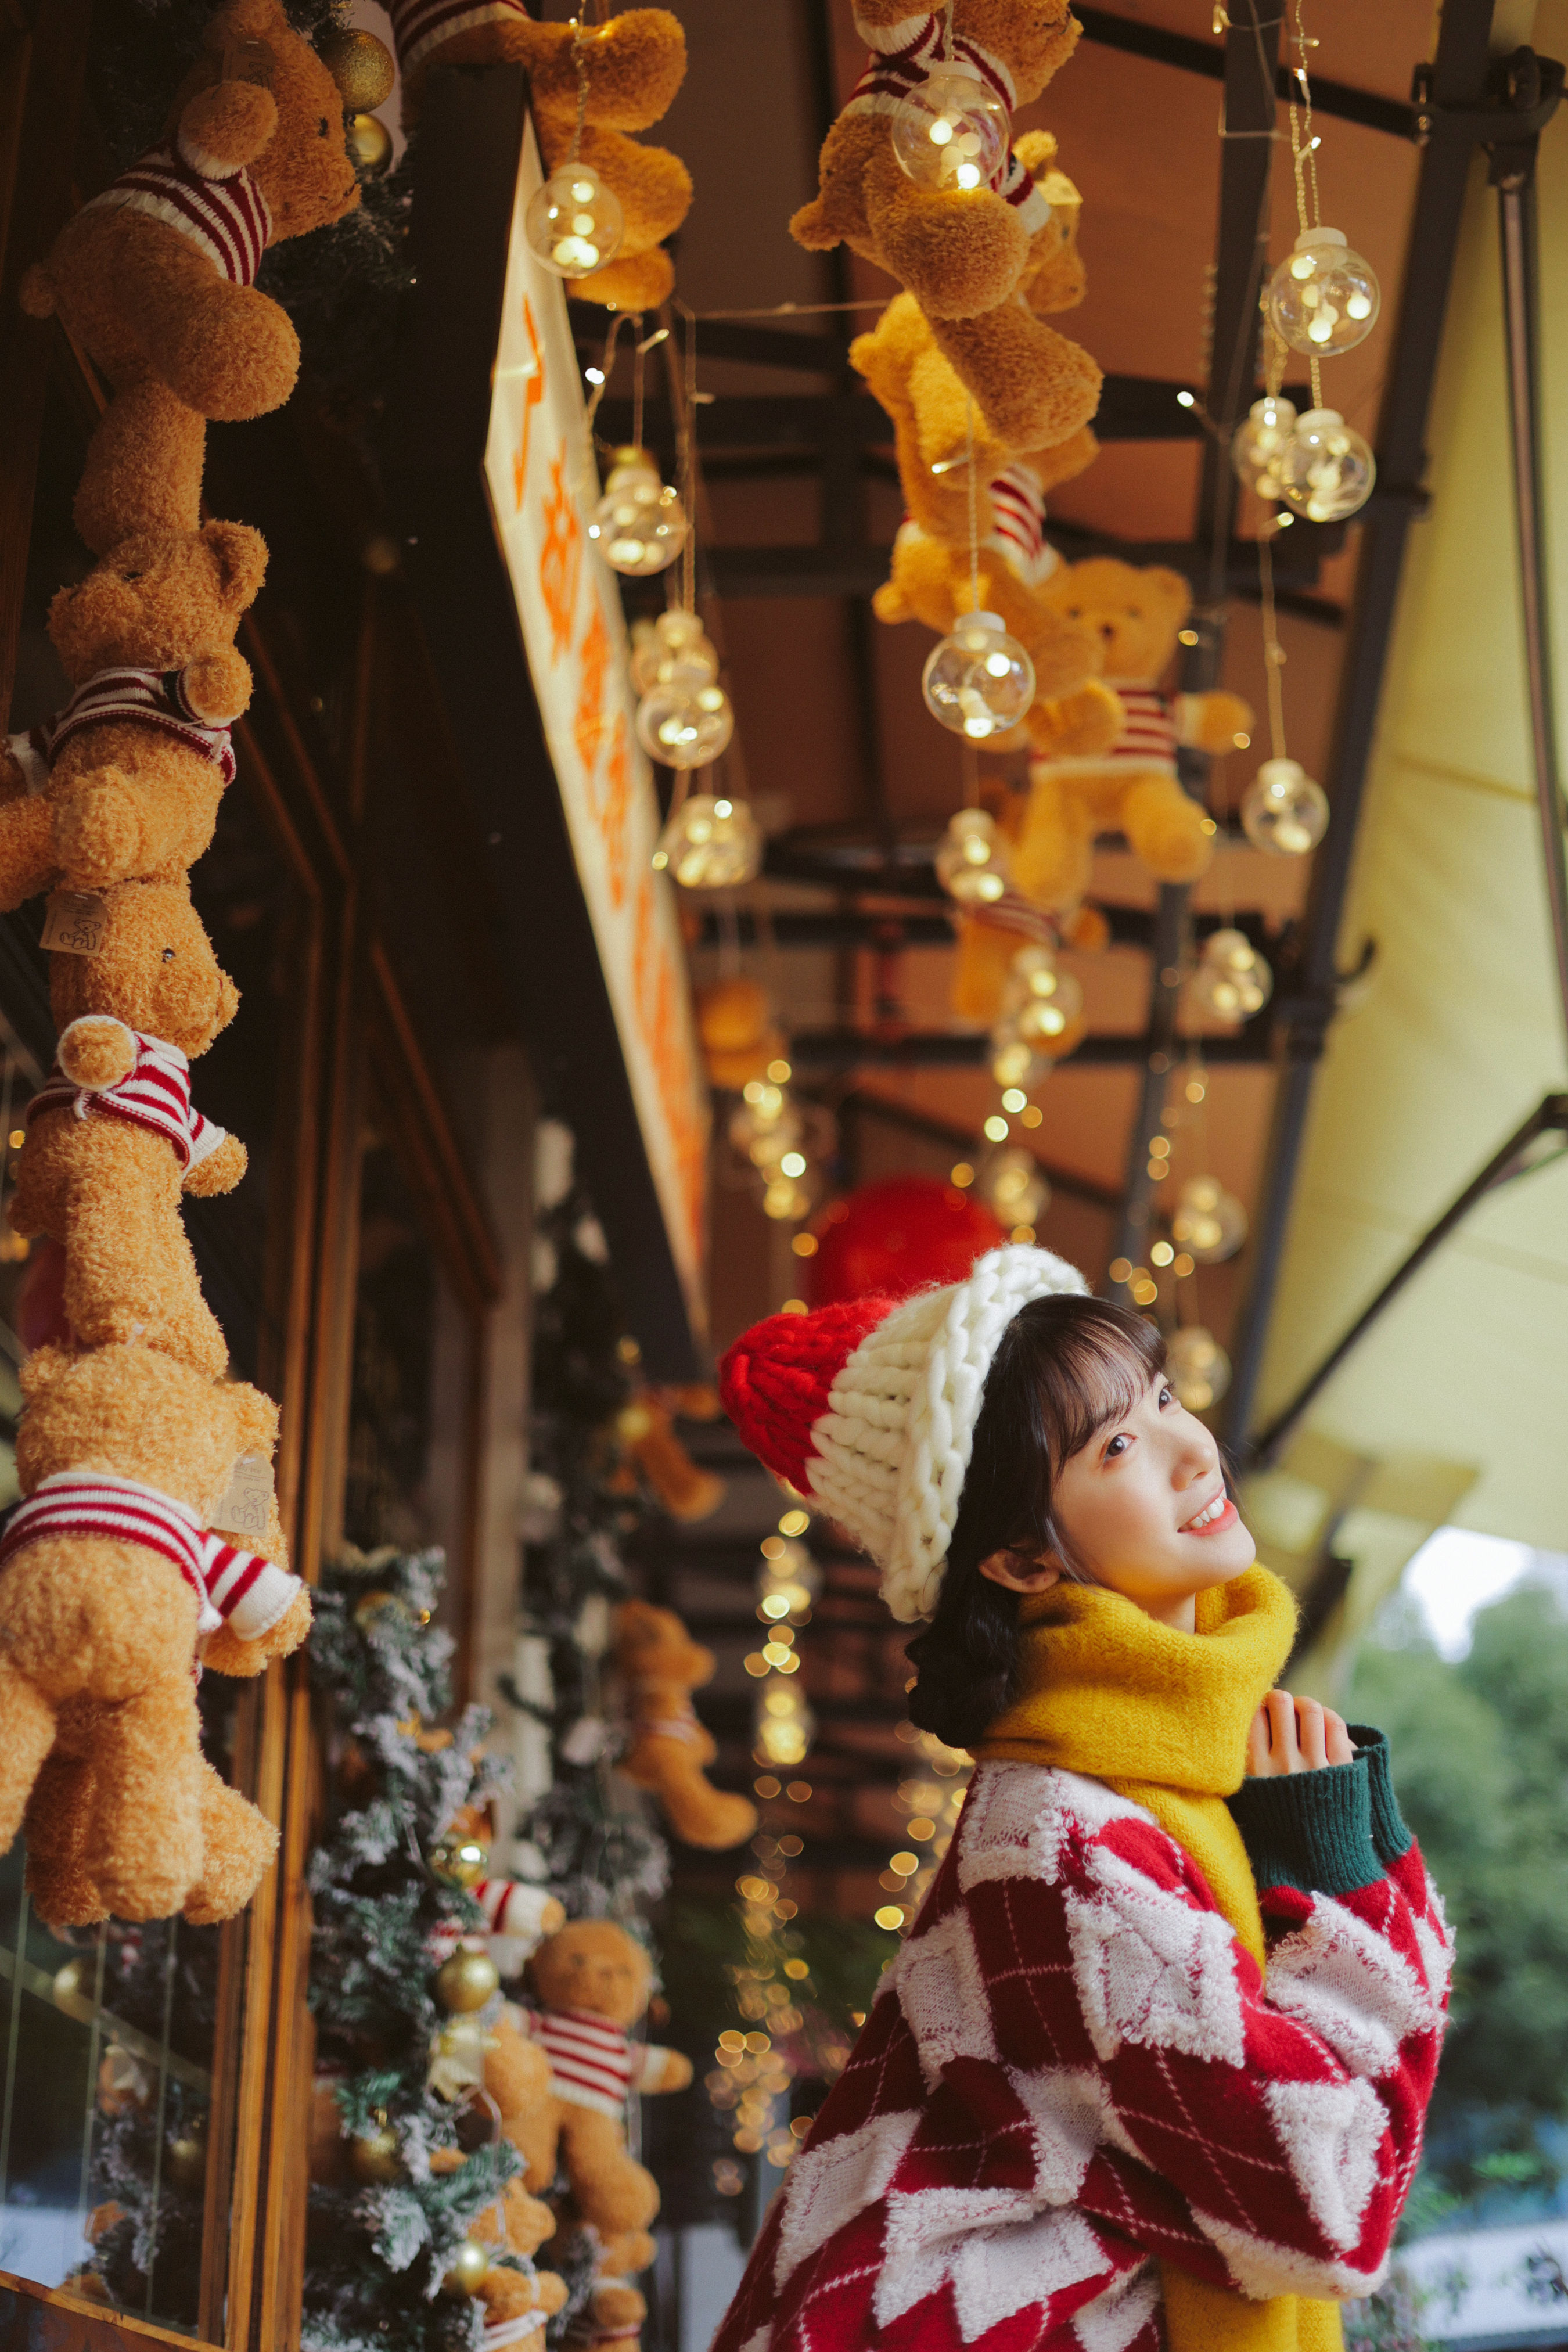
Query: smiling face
{"x": 1141, "y": 1508}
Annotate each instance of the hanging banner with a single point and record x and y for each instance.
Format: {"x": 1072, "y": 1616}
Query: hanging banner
{"x": 544, "y": 486}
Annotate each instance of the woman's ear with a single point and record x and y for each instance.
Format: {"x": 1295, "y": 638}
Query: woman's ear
{"x": 1020, "y": 1573}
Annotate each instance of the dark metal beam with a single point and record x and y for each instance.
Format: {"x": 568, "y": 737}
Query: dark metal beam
{"x": 816, "y": 1050}
{"x": 1191, "y": 55}
{"x": 848, "y": 927}
{"x": 1458, "y": 86}
{"x": 847, "y": 570}
{"x": 1131, "y": 408}
{"x": 1250, "y": 59}
{"x": 952, "y": 1135}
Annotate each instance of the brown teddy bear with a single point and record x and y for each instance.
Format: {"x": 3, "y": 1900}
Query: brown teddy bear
{"x": 965, "y": 254}
{"x": 124, "y": 1454}
{"x": 155, "y": 276}
{"x": 113, "y": 1139}
{"x": 631, "y": 68}
{"x": 517, "y": 2223}
{"x": 592, "y": 1981}
{"x": 125, "y": 780}
{"x": 1079, "y": 787}
{"x": 237, "y": 1842}
{"x": 660, "y": 1666}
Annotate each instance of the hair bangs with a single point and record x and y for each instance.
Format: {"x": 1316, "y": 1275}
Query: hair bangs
{"x": 1099, "y": 1372}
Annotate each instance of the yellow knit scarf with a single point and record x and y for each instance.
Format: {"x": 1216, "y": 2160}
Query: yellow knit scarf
{"x": 1161, "y": 1718}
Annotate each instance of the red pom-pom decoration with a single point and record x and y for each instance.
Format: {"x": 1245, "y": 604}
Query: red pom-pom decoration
{"x": 896, "y": 1236}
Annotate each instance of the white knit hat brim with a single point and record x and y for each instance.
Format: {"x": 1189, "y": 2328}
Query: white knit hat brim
{"x": 892, "y": 1452}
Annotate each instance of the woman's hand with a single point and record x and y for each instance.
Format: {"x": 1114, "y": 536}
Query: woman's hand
{"x": 1296, "y": 1735}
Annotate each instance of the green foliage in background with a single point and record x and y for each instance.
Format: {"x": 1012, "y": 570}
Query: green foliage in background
{"x": 1480, "y": 1762}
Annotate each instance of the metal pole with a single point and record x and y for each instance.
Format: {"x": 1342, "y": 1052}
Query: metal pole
{"x": 1520, "y": 276}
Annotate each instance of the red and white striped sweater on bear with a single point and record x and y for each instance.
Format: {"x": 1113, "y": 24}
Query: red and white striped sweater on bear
{"x": 1075, "y": 2068}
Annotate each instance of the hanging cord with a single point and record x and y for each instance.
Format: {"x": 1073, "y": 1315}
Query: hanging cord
{"x": 974, "y": 503}
{"x": 1304, "y": 165}
{"x": 580, "y": 61}
{"x": 948, "y": 51}
{"x": 605, "y": 366}
{"x": 638, "y": 349}
{"x": 1273, "y": 651}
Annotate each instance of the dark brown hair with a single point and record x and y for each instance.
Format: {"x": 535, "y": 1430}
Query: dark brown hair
{"x": 1065, "y": 1367}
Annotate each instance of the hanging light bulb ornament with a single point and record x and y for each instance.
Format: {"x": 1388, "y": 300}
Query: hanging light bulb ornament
{"x": 574, "y": 223}
{"x": 1326, "y": 470}
{"x": 1197, "y": 1368}
{"x": 685, "y": 730}
{"x": 1284, "y": 811}
{"x": 673, "y": 650}
{"x": 639, "y": 524}
{"x": 951, "y": 130}
{"x": 710, "y": 844}
{"x": 1209, "y": 1222}
{"x": 1323, "y": 299}
{"x": 1018, "y": 1193}
{"x": 979, "y": 681}
{"x": 972, "y": 863}
{"x": 1232, "y": 980}
{"x": 1259, "y": 445}
{"x": 1045, "y": 1006}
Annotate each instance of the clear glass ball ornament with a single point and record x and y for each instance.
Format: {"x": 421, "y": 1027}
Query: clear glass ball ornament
{"x": 574, "y": 223}
{"x": 673, "y": 650}
{"x": 1326, "y": 468}
{"x": 1232, "y": 980}
{"x": 972, "y": 862}
{"x": 1018, "y": 1193}
{"x": 979, "y": 681}
{"x": 687, "y": 727}
{"x": 1044, "y": 1005}
{"x": 785, "y": 1199}
{"x": 766, "y": 1131}
{"x": 1013, "y": 1062}
{"x": 1209, "y": 1222}
{"x": 1258, "y": 445}
{"x": 953, "y": 132}
{"x": 1284, "y": 811}
{"x": 1196, "y": 1367}
{"x": 710, "y": 843}
{"x": 1323, "y": 297}
{"x": 639, "y": 524}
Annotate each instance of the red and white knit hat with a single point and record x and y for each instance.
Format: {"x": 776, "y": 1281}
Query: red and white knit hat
{"x": 870, "y": 1406}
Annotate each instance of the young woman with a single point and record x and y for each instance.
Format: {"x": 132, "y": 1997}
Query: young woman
{"x": 1148, "y": 2071}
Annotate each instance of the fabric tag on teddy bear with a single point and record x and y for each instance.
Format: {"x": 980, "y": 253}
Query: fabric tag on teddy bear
{"x": 74, "y": 923}
{"x": 244, "y": 1506}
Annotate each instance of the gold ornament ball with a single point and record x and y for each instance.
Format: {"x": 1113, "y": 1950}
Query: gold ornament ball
{"x": 460, "y": 1860}
{"x": 71, "y": 1990}
{"x": 469, "y": 2266}
{"x": 377, "y": 1605}
{"x": 360, "y": 64}
{"x": 374, "y": 2157}
{"x": 369, "y": 144}
{"x": 185, "y": 2160}
{"x": 467, "y": 1982}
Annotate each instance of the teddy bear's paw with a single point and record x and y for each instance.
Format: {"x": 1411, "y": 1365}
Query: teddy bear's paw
{"x": 635, "y": 65}
{"x": 216, "y": 686}
{"x": 1169, "y": 831}
{"x": 100, "y": 831}
{"x": 699, "y": 1814}
{"x": 959, "y": 256}
{"x": 231, "y": 351}
{"x": 813, "y": 227}
{"x": 639, "y": 283}
{"x": 237, "y": 1847}
{"x": 220, "y": 1171}
{"x": 616, "y": 2306}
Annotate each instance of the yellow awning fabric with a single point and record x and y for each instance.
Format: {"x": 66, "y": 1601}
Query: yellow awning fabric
{"x": 1460, "y": 1035}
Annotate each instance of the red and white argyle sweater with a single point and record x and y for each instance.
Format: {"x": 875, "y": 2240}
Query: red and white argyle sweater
{"x": 1074, "y": 2067}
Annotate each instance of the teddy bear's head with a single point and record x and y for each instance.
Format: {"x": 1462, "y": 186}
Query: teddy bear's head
{"x": 596, "y": 1966}
{"x": 1034, "y": 38}
{"x": 653, "y": 1646}
{"x": 156, "y": 971}
{"x": 1134, "y": 611}
{"x": 132, "y": 1412}
{"x": 303, "y": 170}
{"x": 159, "y": 599}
